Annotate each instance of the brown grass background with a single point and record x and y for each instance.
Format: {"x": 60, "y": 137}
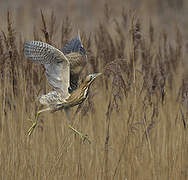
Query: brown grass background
{"x": 136, "y": 114}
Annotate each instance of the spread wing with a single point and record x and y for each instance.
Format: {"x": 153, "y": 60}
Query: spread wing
{"x": 77, "y": 64}
{"x": 75, "y": 45}
{"x": 56, "y": 64}
{"x": 76, "y": 55}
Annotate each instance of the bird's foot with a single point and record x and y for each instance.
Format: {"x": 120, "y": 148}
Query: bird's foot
{"x": 83, "y": 137}
{"x": 31, "y": 129}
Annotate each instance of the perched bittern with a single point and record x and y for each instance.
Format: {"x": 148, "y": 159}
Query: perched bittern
{"x": 63, "y": 69}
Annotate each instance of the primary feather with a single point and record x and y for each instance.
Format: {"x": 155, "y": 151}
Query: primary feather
{"x": 75, "y": 45}
{"x": 56, "y": 64}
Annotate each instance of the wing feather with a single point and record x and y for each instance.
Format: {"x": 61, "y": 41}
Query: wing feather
{"x": 56, "y": 64}
{"x": 75, "y": 45}
{"x": 76, "y": 54}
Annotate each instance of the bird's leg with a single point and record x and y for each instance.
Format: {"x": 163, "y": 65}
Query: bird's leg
{"x": 30, "y": 131}
{"x": 83, "y": 137}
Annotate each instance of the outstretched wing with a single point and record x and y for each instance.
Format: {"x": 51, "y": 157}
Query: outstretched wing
{"x": 75, "y": 45}
{"x": 76, "y": 55}
{"x": 77, "y": 64}
{"x": 56, "y": 64}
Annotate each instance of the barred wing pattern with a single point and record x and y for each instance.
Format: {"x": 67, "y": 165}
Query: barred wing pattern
{"x": 43, "y": 53}
{"x": 56, "y": 64}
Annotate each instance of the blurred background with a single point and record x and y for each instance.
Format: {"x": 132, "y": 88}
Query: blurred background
{"x": 85, "y": 14}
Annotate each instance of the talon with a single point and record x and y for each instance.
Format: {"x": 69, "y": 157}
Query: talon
{"x": 85, "y": 137}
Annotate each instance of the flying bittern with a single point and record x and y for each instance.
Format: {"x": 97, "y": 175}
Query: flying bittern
{"x": 62, "y": 71}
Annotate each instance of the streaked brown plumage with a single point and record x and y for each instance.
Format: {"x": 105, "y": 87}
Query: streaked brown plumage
{"x": 77, "y": 62}
{"x": 79, "y": 95}
{"x": 62, "y": 72}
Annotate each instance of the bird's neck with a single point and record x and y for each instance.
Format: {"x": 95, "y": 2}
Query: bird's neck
{"x": 80, "y": 94}
{"x": 83, "y": 88}
{"x": 83, "y": 85}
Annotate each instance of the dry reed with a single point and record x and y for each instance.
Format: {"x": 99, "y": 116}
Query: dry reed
{"x": 136, "y": 114}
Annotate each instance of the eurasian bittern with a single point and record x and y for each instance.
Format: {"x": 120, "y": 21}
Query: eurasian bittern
{"x": 62, "y": 71}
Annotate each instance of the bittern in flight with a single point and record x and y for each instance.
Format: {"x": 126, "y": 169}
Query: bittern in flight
{"x": 63, "y": 69}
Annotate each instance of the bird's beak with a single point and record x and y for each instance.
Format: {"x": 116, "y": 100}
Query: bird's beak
{"x": 96, "y": 74}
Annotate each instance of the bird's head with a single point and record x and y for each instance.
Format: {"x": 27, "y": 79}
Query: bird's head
{"x": 90, "y": 78}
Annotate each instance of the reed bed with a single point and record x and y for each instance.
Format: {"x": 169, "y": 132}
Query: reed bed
{"x": 136, "y": 114}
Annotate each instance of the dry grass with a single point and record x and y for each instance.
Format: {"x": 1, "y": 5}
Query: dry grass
{"x": 136, "y": 114}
